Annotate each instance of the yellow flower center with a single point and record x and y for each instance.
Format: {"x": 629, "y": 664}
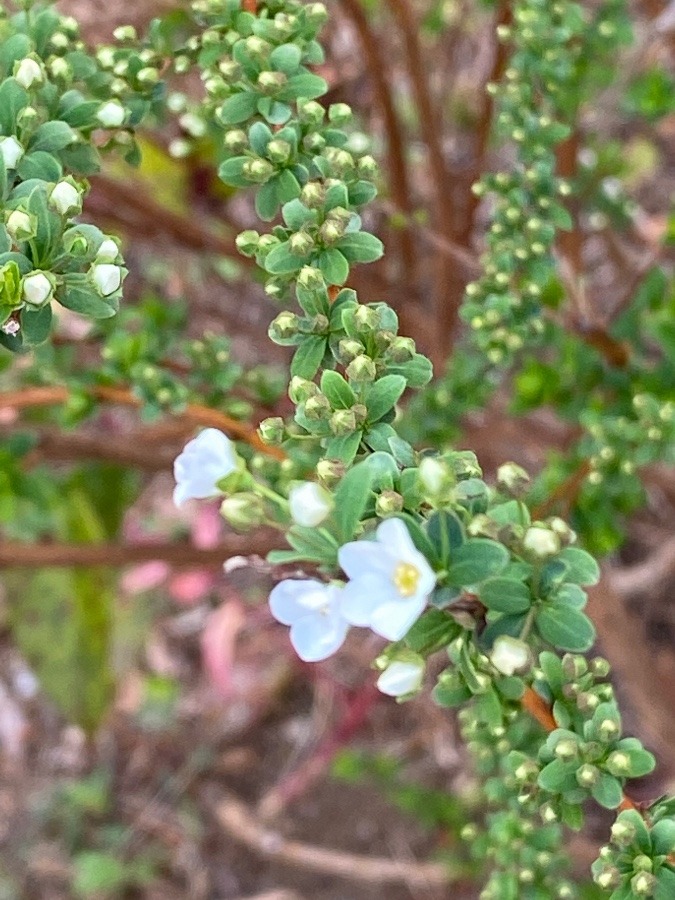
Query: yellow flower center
{"x": 406, "y": 579}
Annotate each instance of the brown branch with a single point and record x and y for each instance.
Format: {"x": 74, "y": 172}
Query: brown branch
{"x": 18, "y": 554}
{"x": 565, "y": 493}
{"x": 241, "y": 824}
{"x": 194, "y": 412}
{"x": 399, "y": 181}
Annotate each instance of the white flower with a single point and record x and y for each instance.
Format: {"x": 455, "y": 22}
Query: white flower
{"x": 204, "y": 461}
{"x": 11, "y": 151}
{"x": 312, "y": 609}
{"x": 541, "y": 541}
{"x": 65, "y": 198}
{"x": 309, "y": 504}
{"x": 401, "y": 677}
{"x": 106, "y": 278}
{"x": 112, "y": 114}
{"x": 390, "y": 581}
{"x": 36, "y": 288}
{"x": 509, "y": 654}
{"x": 108, "y": 251}
{"x": 28, "y": 73}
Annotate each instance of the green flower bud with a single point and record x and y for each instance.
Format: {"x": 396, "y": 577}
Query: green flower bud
{"x": 330, "y": 472}
{"x": 311, "y": 279}
{"x": 574, "y": 666}
{"x": 279, "y": 151}
{"x": 231, "y": 70}
{"x": 343, "y": 422}
{"x": 285, "y": 326}
{"x": 272, "y": 430}
{"x": 235, "y": 140}
{"x": 367, "y": 319}
{"x": 608, "y": 879}
{"x": 401, "y": 350}
{"x": 313, "y": 194}
{"x": 435, "y": 477}
{"x": 257, "y": 48}
{"x": 644, "y": 884}
{"x": 316, "y": 14}
{"x": 540, "y": 542}
{"x": 367, "y": 167}
{"x": 339, "y": 113}
{"x": 243, "y": 511}
{"x": 247, "y": 242}
{"x": 258, "y": 170}
{"x": 362, "y": 370}
{"x": 618, "y": 763}
{"x": 388, "y": 503}
{"x": 271, "y": 82}
{"x": 348, "y": 349}
{"x": 311, "y": 113}
{"x": 599, "y": 667}
{"x": 59, "y": 69}
{"x": 331, "y": 231}
{"x": 300, "y": 389}
{"x": 587, "y": 775}
{"x": 562, "y": 529}
{"x": 623, "y": 833}
{"x": 20, "y": 225}
{"x": 266, "y": 243}
{"x": 512, "y": 479}
{"x": 566, "y": 749}
{"x": 301, "y": 243}
{"x": 125, "y": 33}
{"x": 314, "y": 142}
{"x": 548, "y": 813}
{"x": 317, "y": 408}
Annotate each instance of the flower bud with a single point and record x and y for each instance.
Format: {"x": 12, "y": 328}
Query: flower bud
{"x": 36, "y": 289}
{"x": 125, "y": 33}
{"x": 362, "y": 370}
{"x": 285, "y": 326}
{"x": 566, "y": 749}
{"x": 272, "y": 430}
{"x": 367, "y": 167}
{"x": 311, "y": 279}
{"x": 271, "y": 82}
{"x": 330, "y": 472}
{"x": 343, "y": 422}
{"x": 106, "y": 278}
{"x": 20, "y": 225}
{"x": 11, "y": 151}
{"x": 148, "y": 75}
{"x": 314, "y": 142}
{"x": 65, "y": 199}
{"x": 599, "y": 667}
{"x": 313, "y": 194}
{"x": 623, "y": 833}
{"x": 301, "y": 389}
{"x": 243, "y": 511}
{"x": 317, "y": 408}
{"x": 247, "y": 242}
{"x": 316, "y": 14}
{"x": 644, "y": 884}
{"x": 279, "y": 151}
{"x": 401, "y": 350}
{"x": 111, "y": 114}
{"x": 618, "y": 763}
{"x": 541, "y": 542}
{"x": 339, "y": 113}
{"x": 403, "y": 676}
{"x": 235, "y": 140}
{"x": 434, "y": 475}
{"x": 388, "y": 503}
{"x": 257, "y": 48}
{"x": 367, "y": 318}
{"x": 331, "y": 231}
{"x": 309, "y": 504}
{"x": 587, "y": 775}
{"x": 574, "y": 666}
{"x": 108, "y": 251}
{"x": 587, "y": 702}
{"x": 258, "y": 170}
{"x": 29, "y": 73}
{"x": 512, "y": 479}
{"x": 311, "y": 113}
{"x": 510, "y": 655}
{"x": 300, "y": 243}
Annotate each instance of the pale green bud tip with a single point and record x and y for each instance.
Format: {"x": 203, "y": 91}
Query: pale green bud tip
{"x": 339, "y": 113}
{"x": 330, "y": 472}
{"x": 644, "y": 884}
{"x": 272, "y": 430}
{"x": 111, "y": 114}
{"x": 28, "y": 73}
{"x": 247, "y": 242}
{"x": 541, "y": 542}
{"x": 361, "y": 369}
{"x": 510, "y": 655}
{"x": 36, "y": 288}
{"x": 388, "y": 503}
{"x": 243, "y": 511}
{"x": 20, "y": 225}
{"x": 311, "y": 278}
{"x": 512, "y": 479}
{"x": 434, "y": 476}
{"x": 65, "y": 198}
{"x": 284, "y": 326}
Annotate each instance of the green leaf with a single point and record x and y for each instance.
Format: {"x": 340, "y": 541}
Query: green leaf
{"x": 40, "y": 164}
{"x": 583, "y": 569}
{"x": 315, "y": 544}
{"x": 295, "y": 214}
{"x": 383, "y": 395}
{"x": 566, "y": 628}
{"x": 286, "y": 58}
{"x": 230, "y": 171}
{"x": 334, "y": 267}
{"x": 82, "y": 115}
{"x": 238, "y": 108}
{"x": 663, "y": 837}
{"x": 267, "y": 201}
{"x": 338, "y": 391}
{"x": 476, "y": 560}
{"x": 431, "y": 632}
{"x": 607, "y": 792}
{"x": 308, "y": 356}
{"x": 52, "y": 136}
{"x": 445, "y": 533}
{"x": 351, "y": 499}
{"x": 36, "y": 324}
{"x": 665, "y": 889}
{"x": 360, "y": 247}
{"x": 13, "y": 98}
{"x": 308, "y": 86}
{"x": 259, "y": 136}
{"x": 505, "y": 595}
{"x": 571, "y": 595}
{"x": 82, "y": 299}
{"x": 12, "y": 49}
{"x": 280, "y": 260}
{"x": 557, "y": 776}
{"x": 96, "y": 873}
{"x": 343, "y": 448}
{"x": 418, "y": 371}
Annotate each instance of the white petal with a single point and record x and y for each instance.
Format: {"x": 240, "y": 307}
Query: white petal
{"x": 396, "y": 538}
{"x": 401, "y": 678}
{"x": 394, "y": 620}
{"x": 316, "y": 637}
{"x": 360, "y": 557}
{"x": 309, "y": 504}
{"x": 291, "y": 600}
{"x": 360, "y": 598}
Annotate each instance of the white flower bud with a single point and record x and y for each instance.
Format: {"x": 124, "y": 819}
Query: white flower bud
{"x": 111, "y": 114}
{"x": 65, "y": 198}
{"x": 106, "y": 278}
{"x": 36, "y": 289}
{"x": 509, "y": 654}
{"x": 20, "y": 226}
{"x": 29, "y": 73}
{"x": 11, "y": 151}
{"x": 402, "y": 677}
{"x": 541, "y": 542}
{"x": 309, "y": 504}
{"x": 434, "y": 475}
{"x": 107, "y": 252}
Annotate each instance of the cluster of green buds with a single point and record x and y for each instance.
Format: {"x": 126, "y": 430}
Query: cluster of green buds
{"x": 56, "y": 102}
{"x": 640, "y": 859}
{"x": 537, "y": 101}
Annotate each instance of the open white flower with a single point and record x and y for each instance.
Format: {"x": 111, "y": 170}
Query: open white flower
{"x": 11, "y": 151}
{"x": 401, "y": 677}
{"x": 390, "y": 581}
{"x": 312, "y": 609}
{"x": 204, "y": 461}
{"x": 309, "y": 504}
{"x": 509, "y": 654}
